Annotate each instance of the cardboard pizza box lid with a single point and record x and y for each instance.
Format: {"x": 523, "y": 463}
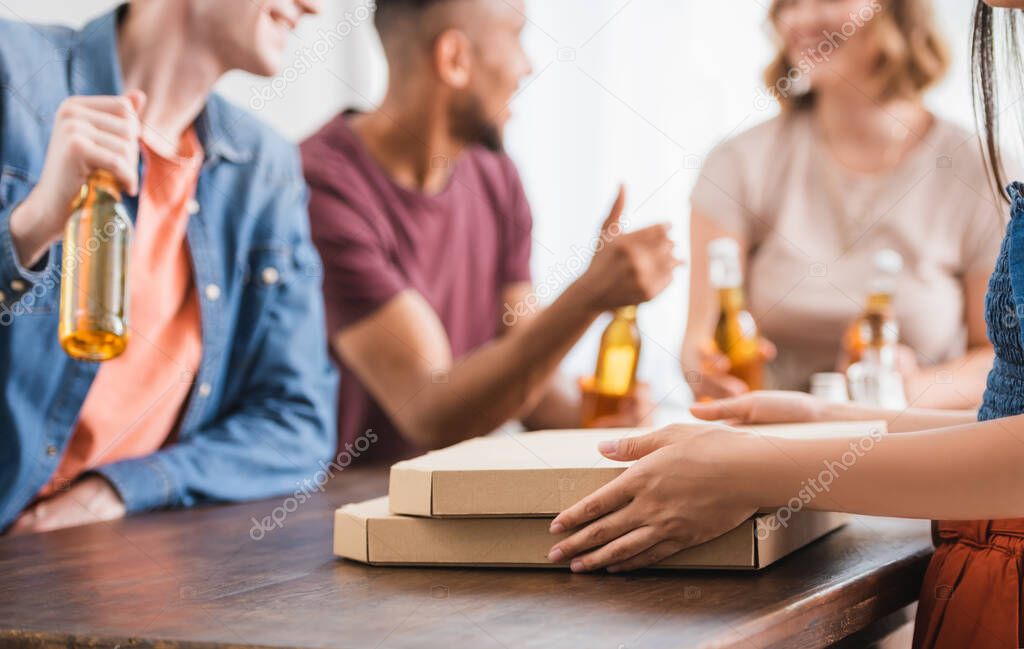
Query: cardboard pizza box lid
{"x": 536, "y": 474}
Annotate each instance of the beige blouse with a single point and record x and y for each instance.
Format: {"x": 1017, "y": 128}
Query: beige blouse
{"x": 814, "y": 228}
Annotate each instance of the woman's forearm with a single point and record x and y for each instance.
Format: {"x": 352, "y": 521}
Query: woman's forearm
{"x": 900, "y": 421}
{"x": 959, "y": 383}
{"x": 967, "y": 472}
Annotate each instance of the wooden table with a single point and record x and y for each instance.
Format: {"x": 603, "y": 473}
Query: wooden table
{"x": 198, "y": 579}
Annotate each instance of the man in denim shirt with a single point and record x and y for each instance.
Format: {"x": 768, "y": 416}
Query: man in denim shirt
{"x": 225, "y": 391}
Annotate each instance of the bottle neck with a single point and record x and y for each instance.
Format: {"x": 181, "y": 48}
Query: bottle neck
{"x": 626, "y": 313}
{"x": 104, "y": 181}
{"x": 879, "y": 302}
{"x": 731, "y": 298}
{"x": 726, "y": 274}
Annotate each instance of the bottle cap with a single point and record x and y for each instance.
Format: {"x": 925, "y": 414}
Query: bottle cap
{"x": 105, "y": 181}
{"x": 724, "y": 263}
{"x": 888, "y": 261}
{"x": 724, "y": 248}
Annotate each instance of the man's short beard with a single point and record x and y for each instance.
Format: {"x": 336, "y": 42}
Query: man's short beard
{"x": 471, "y": 124}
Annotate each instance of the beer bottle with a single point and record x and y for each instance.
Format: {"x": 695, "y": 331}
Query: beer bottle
{"x": 736, "y": 334}
{"x": 871, "y": 343}
{"x": 619, "y": 355}
{"x": 617, "y": 360}
{"x": 876, "y": 331}
{"x": 94, "y": 273}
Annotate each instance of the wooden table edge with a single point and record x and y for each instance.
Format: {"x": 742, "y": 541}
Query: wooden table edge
{"x": 865, "y": 603}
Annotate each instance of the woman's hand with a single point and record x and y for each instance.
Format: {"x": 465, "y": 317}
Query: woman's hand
{"x": 767, "y": 407}
{"x": 714, "y": 381}
{"x": 89, "y": 133}
{"x": 678, "y": 494}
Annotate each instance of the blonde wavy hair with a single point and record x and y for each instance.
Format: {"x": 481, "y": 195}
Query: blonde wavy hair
{"x": 912, "y": 54}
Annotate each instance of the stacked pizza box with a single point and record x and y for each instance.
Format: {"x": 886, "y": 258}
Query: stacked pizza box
{"x": 489, "y": 502}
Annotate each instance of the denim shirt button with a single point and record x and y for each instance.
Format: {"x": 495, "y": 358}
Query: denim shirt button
{"x": 212, "y": 292}
{"x": 270, "y": 275}
{"x": 51, "y": 450}
{"x": 192, "y": 207}
{"x": 205, "y": 389}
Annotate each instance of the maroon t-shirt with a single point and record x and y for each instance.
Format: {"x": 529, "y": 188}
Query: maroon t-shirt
{"x": 459, "y": 249}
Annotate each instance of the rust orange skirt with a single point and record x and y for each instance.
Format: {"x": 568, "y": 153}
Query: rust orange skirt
{"x": 971, "y": 596}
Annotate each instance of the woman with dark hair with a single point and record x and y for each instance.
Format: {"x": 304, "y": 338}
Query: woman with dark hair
{"x": 691, "y": 483}
{"x": 854, "y": 164}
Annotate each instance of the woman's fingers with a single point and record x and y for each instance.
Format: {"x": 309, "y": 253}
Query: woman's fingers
{"x": 736, "y": 408}
{"x": 621, "y": 549}
{"x": 605, "y": 500}
{"x": 714, "y": 380}
{"x": 628, "y": 449}
{"x": 713, "y": 360}
{"x": 649, "y": 557}
{"x": 602, "y": 531}
{"x": 766, "y": 407}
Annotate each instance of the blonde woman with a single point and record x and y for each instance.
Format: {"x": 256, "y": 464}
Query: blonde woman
{"x": 854, "y": 164}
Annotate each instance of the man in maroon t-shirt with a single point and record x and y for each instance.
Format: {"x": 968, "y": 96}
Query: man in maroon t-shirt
{"x": 424, "y": 230}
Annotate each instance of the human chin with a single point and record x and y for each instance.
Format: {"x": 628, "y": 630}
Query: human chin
{"x": 259, "y": 63}
{"x": 265, "y": 57}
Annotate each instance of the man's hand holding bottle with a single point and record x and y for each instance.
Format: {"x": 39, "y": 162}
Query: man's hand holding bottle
{"x": 90, "y": 133}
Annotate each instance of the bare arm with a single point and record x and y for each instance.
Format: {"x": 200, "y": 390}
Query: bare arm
{"x": 779, "y": 407}
{"x": 959, "y": 383}
{"x": 693, "y": 483}
{"x": 558, "y": 407}
{"x": 966, "y": 472}
{"x": 559, "y": 403}
{"x": 902, "y": 421}
{"x": 403, "y": 356}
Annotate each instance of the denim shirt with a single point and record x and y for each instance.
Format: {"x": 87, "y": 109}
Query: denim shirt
{"x": 260, "y": 415}
{"x": 1004, "y": 312}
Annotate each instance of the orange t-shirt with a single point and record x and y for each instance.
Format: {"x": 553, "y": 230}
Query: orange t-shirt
{"x": 136, "y": 399}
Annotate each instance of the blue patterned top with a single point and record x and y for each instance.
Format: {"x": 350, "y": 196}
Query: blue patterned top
{"x": 1004, "y": 310}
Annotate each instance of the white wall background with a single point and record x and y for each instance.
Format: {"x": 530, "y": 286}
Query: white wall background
{"x": 632, "y": 91}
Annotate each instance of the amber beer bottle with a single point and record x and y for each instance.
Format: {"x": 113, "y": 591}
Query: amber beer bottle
{"x": 94, "y": 273}
{"x": 736, "y": 334}
{"x": 871, "y": 342}
{"x": 617, "y": 360}
{"x": 876, "y": 331}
